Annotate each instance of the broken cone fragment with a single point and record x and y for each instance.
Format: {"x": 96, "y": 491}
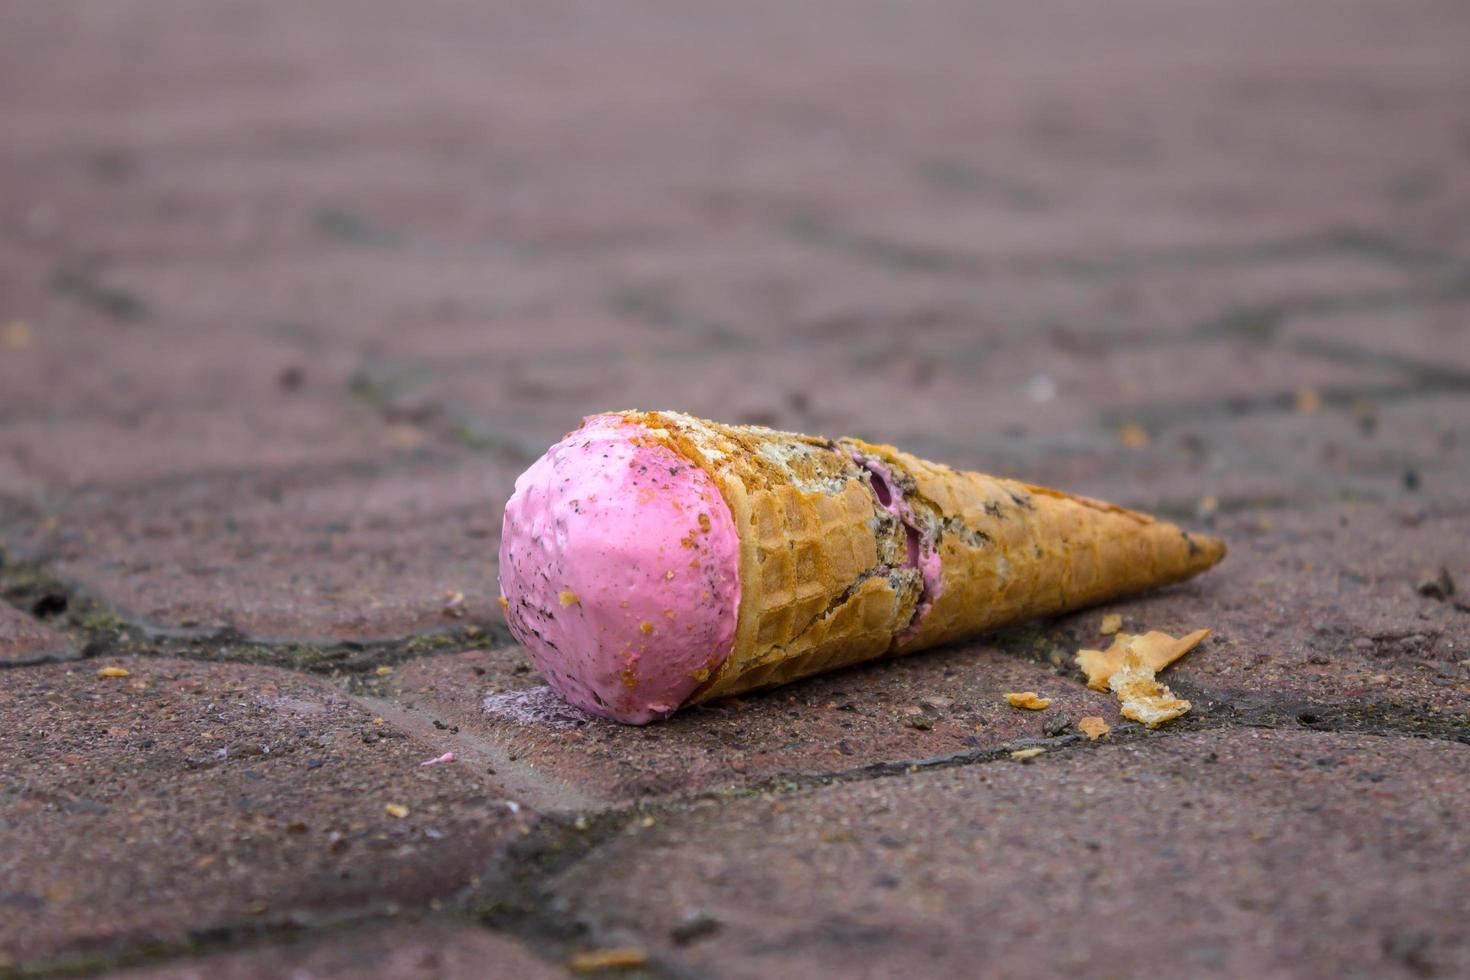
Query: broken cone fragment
{"x": 709, "y": 559}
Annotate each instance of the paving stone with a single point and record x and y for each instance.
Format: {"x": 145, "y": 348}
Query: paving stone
{"x": 1104, "y": 860}
{"x": 891, "y": 397}
{"x": 1320, "y": 607}
{"x": 1401, "y": 450}
{"x": 79, "y": 409}
{"x": 354, "y": 552}
{"x": 1435, "y": 337}
{"x": 751, "y": 332}
{"x": 145, "y": 450}
{"x": 66, "y": 370}
{"x": 289, "y": 295}
{"x": 940, "y": 703}
{"x": 1397, "y": 446}
{"x": 25, "y": 640}
{"x": 187, "y": 800}
{"x": 434, "y": 949}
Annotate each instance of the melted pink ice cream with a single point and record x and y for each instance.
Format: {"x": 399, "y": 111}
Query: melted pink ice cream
{"x": 619, "y": 564}
{"x": 922, "y": 553}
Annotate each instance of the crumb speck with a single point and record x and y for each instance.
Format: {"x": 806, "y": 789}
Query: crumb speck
{"x": 617, "y": 958}
{"x": 1158, "y": 650}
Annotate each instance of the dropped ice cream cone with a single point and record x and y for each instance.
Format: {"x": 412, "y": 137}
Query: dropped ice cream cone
{"x": 709, "y": 559}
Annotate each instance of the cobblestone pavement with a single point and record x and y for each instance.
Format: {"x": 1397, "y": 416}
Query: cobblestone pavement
{"x": 289, "y": 294}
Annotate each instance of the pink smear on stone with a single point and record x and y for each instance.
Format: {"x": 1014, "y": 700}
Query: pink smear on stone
{"x": 446, "y": 757}
{"x": 619, "y": 561}
{"x": 922, "y": 554}
{"x": 535, "y": 707}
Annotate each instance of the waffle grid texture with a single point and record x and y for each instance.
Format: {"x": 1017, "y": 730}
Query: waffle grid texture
{"x": 820, "y": 584}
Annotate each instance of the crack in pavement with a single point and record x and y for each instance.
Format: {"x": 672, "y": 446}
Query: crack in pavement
{"x": 386, "y": 390}
{"x": 517, "y": 895}
{"x": 98, "y": 630}
{"x": 223, "y": 938}
{"x": 820, "y": 233}
{"x": 1284, "y": 402}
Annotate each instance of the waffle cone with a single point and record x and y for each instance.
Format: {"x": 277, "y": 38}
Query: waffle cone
{"x": 828, "y": 575}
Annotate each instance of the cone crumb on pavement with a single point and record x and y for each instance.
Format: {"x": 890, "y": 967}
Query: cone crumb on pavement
{"x": 1127, "y": 668}
{"x": 1157, "y": 650}
{"x": 1134, "y": 436}
{"x": 1142, "y": 697}
{"x": 600, "y": 960}
{"x": 1029, "y": 700}
{"x": 1093, "y": 727}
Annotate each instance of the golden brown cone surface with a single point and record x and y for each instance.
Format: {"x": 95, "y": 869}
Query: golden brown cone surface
{"x": 823, "y": 577}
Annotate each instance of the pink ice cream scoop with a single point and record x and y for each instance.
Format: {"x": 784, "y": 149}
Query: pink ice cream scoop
{"x": 619, "y": 571}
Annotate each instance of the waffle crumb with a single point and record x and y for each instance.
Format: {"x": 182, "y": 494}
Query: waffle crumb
{"x": 1157, "y": 650}
{"x": 618, "y": 958}
{"x": 1029, "y": 700}
{"x": 1111, "y": 623}
{"x": 569, "y": 599}
{"x": 112, "y": 672}
{"x": 1093, "y": 727}
{"x": 1143, "y": 698}
{"x": 1024, "y": 754}
{"x": 1134, "y": 436}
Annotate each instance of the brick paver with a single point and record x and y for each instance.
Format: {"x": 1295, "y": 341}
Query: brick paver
{"x": 186, "y": 800}
{"x": 357, "y": 552}
{"x": 290, "y": 293}
{"x": 881, "y": 715}
{"x": 1321, "y": 614}
{"x": 24, "y": 640}
{"x": 432, "y": 950}
{"x": 1224, "y": 854}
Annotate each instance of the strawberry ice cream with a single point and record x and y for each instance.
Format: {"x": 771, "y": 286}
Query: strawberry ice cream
{"x": 619, "y": 571}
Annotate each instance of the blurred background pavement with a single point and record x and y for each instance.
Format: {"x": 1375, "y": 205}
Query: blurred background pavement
{"x": 290, "y": 292}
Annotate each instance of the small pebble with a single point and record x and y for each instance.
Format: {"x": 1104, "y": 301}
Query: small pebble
{"x": 694, "y": 926}
{"x": 1441, "y": 586}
